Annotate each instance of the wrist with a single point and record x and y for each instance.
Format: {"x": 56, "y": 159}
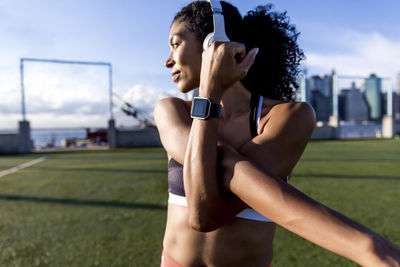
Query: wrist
{"x": 371, "y": 247}
{"x": 203, "y": 108}
{"x": 210, "y": 92}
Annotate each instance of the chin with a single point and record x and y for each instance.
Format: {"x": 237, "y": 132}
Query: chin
{"x": 184, "y": 88}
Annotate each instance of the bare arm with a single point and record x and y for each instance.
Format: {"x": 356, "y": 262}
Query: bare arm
{"x": 277, "y": 149}
{"x": 174, "y": 125}
{"x": 208, "y": 207}
{"x": 255, "y": 169}
{"x": 270, "y": 196}
{"x": 304, "y": 216}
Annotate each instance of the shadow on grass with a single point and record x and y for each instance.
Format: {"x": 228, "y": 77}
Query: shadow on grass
{"x": 112, "y": 170}
{"x": 352, "y": 160}
{"x": 104, "y": 150}
{"x": 348, "y": 176}
{"x": 82, "y": 202}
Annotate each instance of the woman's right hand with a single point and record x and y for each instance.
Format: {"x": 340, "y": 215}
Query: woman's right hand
{"x": 223, "y": 64}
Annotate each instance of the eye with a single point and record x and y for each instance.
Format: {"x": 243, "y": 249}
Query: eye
{"x": 174, "y": 42}
{"x": 174, "y": 45}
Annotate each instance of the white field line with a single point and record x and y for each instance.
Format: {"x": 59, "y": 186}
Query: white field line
{"x": 22, "y": 166}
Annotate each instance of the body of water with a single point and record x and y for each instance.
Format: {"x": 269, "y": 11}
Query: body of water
{"x": 46, "y": 137}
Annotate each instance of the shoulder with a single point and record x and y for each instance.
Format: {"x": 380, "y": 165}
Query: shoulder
{"x": 293, "y": 114}
{"x": 300, "y": 111}
{"x": 172, "y": 112}
{"x": 172, "y": 117}
{"x": 293, "y": 118}
{"x": 284, "y": 132}
{"x": 170, "y": 107}
{"x": 171, "y": 104}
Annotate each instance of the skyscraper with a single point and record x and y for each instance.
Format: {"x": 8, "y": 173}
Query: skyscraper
{"x": 352, "y": 105}
{"x": 373, "y": 88}
{"x": 320, "y": 88}
{"x": 398, "y": 83}
{"x": 321, "y": 83}
{"x": 322, "y": 105}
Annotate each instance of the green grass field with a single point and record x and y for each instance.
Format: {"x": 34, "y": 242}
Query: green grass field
{"x": 108, "y": 207}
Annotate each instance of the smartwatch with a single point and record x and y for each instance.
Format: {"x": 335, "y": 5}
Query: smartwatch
{"x": 203, "y": 108}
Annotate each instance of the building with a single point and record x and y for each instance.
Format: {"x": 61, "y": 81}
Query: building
{"x": 396, "y": 106}
{"x": 321, "y": 83}
{"x": 308, "y": 90}
{"x": 352, "y": 105}
{"x": 319, "y": 88}
{"x": 322, "y": 105}
{"x": 373, "y": 96}
{"x": 302, "y": 93}
{"x": 398, "y": 83}
{"x": 396, "y": 113}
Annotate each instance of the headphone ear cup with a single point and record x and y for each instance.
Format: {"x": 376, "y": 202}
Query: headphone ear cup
{"x": 208, "y": 41}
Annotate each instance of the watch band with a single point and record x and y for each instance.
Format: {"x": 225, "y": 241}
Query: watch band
{"x": 203, "y": 108}
{"x": 215, "y": 110}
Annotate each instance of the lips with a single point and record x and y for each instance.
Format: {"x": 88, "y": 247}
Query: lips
{"x": 175, "y": 75}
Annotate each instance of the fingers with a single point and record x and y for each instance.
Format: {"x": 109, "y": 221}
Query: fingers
{"x": 245, "y": 61}
{"x": 225, "y": 63}
{"x": 239, "y": 51}
{"x": 248, "y": 61}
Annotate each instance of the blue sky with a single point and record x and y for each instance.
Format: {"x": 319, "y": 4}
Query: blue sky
{"x": 353, "y": 37}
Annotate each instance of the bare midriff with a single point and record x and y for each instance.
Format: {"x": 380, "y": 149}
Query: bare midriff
{"x": 241, "y": 242}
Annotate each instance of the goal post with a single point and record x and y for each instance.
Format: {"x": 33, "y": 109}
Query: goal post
{"x": 70, "y": 62}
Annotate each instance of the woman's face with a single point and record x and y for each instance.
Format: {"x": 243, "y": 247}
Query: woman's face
{"x": 184, "y": 58}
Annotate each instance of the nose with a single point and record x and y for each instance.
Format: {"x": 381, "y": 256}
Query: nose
{"x": 169, "y": 63}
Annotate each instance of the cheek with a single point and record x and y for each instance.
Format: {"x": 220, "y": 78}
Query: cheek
{"x": 190, "y": 56}
{"x": 195, "y": 63}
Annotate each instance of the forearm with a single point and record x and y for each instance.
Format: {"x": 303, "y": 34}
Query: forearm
{"x": 200, "y": 169}
{"x": 209, "y": 207}
{"x": 222, "y": 66}
{"x": 300, "y": 214}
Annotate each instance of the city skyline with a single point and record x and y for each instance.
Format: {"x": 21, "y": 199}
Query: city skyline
{"x": 351, "y": 38}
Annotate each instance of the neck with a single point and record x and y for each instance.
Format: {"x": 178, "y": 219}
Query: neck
{"x": 236, "y": 101}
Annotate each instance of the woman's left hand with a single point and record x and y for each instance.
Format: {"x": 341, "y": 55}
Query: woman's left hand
{"x": 223, "y": 64}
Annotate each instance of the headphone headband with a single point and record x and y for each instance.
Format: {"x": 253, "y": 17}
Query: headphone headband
{"x": 215, "y": 6}
{"x": 219, "y": 34}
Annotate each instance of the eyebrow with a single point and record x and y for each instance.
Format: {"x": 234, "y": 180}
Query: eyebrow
{"x": 179, "y": 35}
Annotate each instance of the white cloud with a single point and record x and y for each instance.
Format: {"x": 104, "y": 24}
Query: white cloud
{"x": 9, "y": 121}
{"x": 51, "y": 120}
{"x": 142, "y": 97}
{"x": 55, "y": 96}
{"x": 145, "y": 96}
{"x": 73, "y": 96}
{"x": 359, "y": 54}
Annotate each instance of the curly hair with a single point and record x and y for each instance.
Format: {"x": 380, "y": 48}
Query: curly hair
{"x": 198, "y": 19}
{"x": 275, "y": 70}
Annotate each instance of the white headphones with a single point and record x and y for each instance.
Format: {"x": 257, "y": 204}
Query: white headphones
{"x": 219, "y": 26}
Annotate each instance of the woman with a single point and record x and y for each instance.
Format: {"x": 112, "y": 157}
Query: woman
{"x": 206, "y": 224}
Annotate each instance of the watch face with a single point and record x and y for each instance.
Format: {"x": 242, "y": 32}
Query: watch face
{"x": 200, "y": 108}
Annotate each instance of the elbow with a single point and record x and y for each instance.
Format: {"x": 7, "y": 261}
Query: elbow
{"x": 202, "y": 223}
{"x": 197, "y": 225}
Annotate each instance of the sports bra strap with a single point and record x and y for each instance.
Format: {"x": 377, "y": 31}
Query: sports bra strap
{"x": 255, "y": 113}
